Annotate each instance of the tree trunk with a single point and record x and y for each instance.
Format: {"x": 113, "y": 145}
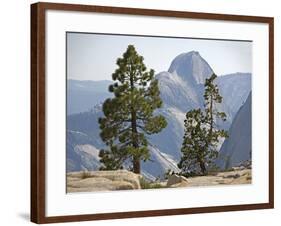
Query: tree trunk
{"x": 212, "y": 118}
{"x": 136, "y": 160}
{"x": 136, "y": 165}
{"x": 203, "y": 167}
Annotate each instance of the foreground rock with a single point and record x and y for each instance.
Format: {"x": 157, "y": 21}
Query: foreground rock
{"x": 102, "y": 181}
{"x": 91, "y": 181}
{"x": 222, "y": 178}
{"x": 237, "y": 176}
{"x": 175, "y": 181}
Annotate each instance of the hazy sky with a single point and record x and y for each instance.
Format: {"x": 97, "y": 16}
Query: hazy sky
{"x": 93, "y": 56}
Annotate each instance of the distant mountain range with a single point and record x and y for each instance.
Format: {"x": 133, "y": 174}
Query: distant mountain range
{"x": 84, "y": 95}
{"x": 181, "y": 88}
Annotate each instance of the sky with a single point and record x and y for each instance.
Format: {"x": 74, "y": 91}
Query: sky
{"x": 93, "y": 56}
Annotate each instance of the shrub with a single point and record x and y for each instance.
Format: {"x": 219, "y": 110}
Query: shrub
{"x": 150, "y": 185}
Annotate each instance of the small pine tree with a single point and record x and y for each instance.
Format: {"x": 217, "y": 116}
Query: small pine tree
{"x": 129, "y": 115}
{"x": 194, "y": 143}
{"x": 201, "y": 136}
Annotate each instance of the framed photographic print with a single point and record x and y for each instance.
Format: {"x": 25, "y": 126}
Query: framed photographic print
{"x": 141, "y": 112}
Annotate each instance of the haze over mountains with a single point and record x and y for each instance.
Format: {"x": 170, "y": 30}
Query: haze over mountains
{"x": 181, "y": 88}
{"x": 83, "y": 95}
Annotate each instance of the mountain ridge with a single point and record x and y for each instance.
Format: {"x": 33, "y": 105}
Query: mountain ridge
{"x": 237, "y": 148}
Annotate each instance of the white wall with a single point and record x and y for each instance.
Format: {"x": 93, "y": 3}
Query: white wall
{"x": 15, "y": 104}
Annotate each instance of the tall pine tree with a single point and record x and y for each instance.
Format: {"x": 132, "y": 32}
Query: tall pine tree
{"x": 201, "y": 137}
{"x": 212, "y": 116}
{"x": 129, "y": 116}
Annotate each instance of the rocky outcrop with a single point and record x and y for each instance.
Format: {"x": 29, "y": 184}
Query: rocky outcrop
{"x": 175, "y": 180}
{"x": 222, "y": 178}
{"x": 89, "y": 181}
{"x": 238, "y": 176}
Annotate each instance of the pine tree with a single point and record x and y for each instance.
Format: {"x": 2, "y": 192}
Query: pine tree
{"x": 201, "y": 137}
{"x": 194, "y": 143}
{"x": 212, "y": 115}
{"x": 129, "y": 116}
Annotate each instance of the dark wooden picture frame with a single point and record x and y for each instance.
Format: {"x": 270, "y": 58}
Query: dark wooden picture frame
{"x": 38, "y": 120}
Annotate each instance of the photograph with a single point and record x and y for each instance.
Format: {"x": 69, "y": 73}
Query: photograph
{"x": 152, "y": 112}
